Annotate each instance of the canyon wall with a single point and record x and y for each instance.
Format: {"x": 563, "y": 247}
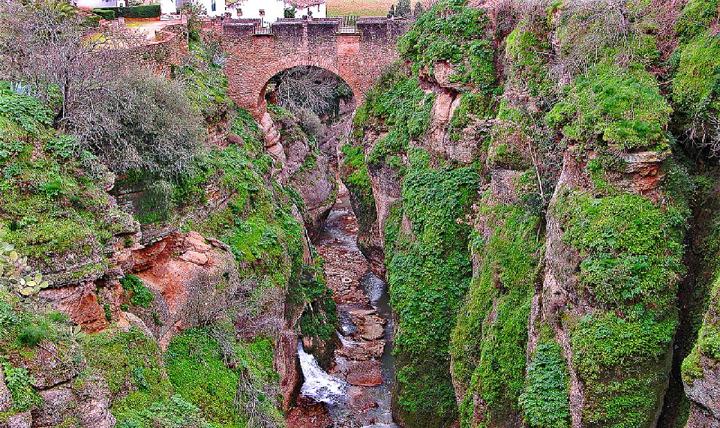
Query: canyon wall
{"x": 136, "y": 300}
{"x": 537, "y": 178}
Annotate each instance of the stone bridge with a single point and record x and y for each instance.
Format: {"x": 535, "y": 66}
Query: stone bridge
{"x": 357, "y": 54}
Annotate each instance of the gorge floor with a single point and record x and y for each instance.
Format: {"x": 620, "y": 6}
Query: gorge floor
{"x": 357, "y": 389}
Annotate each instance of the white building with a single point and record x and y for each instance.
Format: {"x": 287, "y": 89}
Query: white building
{"x": 267, "y": 10}
{"x": 272, "y": 10}
{"x": 98, "y": 4}
{"x": 314, "y": 8}
{"x": 212, "y": 7}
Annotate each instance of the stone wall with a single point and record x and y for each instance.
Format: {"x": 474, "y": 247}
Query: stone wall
{"x": 169, "y": 49}
{"x": 358, "y": 57}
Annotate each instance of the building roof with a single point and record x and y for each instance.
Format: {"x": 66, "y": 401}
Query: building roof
{"x": 305, "y": 3}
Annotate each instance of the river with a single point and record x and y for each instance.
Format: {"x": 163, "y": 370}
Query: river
{"x": 357, "y": 389}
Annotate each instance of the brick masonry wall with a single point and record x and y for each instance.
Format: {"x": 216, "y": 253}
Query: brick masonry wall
{"x": 359, "y": 59}
{"x": 170, "y": 49}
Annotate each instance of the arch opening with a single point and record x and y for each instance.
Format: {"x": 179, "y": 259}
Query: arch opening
{"x": 308, "y": 90}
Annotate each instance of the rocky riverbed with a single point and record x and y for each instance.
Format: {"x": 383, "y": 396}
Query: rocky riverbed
{"x": 362, "y": 364}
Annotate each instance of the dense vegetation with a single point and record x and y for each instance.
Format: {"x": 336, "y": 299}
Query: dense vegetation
{"x": 60, "y": 225}
{"x": 577, "y": 256}
{"x": 542, "y": 179}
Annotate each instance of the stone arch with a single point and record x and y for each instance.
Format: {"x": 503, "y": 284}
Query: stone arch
{"x": 287, "y": 64}
{"x": 357, "y": 57}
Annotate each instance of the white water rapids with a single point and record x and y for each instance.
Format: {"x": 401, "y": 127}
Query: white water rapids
{"x": 318, "y": 384}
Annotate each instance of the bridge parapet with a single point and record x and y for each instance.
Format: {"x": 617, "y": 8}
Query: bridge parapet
{"x": 322, "y": 27}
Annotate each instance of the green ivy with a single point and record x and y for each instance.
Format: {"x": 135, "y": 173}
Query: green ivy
{"x": 174, "y": 412}
{"x": 544, "y": 401}
{"x": 428, "y": 272}
{"x": 140, "y": 295}
{"x": 488, "y": 352}
{"x": 319, "y": 317}
{"x": 197, "y": 369}
{"x": 622, "y": 366}
{"x": 708, "y": 339}
{"x": 473, "y": 106}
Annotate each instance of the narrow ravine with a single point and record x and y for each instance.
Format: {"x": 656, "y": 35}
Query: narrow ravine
{"x": 358, "y": 386}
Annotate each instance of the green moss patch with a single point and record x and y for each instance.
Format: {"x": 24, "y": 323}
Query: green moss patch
{"x": 50, "y": 206}
{"x": 488, "y": 352}
{"x": 197, "y": 368}
{"x": 613, "y": 106}
{"x": 631, "y": 249}
{"x": 453, "y": 32}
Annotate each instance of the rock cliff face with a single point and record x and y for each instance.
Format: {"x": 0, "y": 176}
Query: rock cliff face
{"x": 546, "y": 144}
{"x": 161, "y": 303}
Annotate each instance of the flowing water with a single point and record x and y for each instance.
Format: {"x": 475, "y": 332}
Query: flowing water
{"x": 318, "y": 384}
{"x": 357, "y": 388}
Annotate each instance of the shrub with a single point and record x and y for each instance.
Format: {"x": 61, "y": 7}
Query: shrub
{"x": 589, "y": 32}
{"x": 319, "y": 319}
{"x": 31, "y": 335}
{"x": 149, "y": 126}
{"x": 106, "y": 14}
{"x": 695, "y": 91}
{"x": 141, "y": 11}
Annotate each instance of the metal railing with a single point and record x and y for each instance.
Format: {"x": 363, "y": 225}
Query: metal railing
{"x": 348, "y": 25}
{"x": 263, "y": 28}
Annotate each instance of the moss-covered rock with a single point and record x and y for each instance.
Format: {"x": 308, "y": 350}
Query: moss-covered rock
{"x": 428, "y": 272}
{"x": 54, "y": 208}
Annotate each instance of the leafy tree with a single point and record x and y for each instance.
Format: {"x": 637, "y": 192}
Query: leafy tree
{"x": 193, "y": 10}
{"x": 403, "y": 8}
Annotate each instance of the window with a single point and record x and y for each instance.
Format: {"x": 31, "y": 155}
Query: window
{"x": 213, "y": 6}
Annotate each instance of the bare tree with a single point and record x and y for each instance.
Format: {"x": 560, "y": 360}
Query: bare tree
{"x": 310, "y": 88}
{"x": 118, "y": 110}
{"x": 50, "y": 46}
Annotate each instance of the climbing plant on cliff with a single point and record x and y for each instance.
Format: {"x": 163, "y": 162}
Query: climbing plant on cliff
{"x": 428, "y": 271}
{"x": 455, "y": 33}
{"x": 488, "y": 352}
